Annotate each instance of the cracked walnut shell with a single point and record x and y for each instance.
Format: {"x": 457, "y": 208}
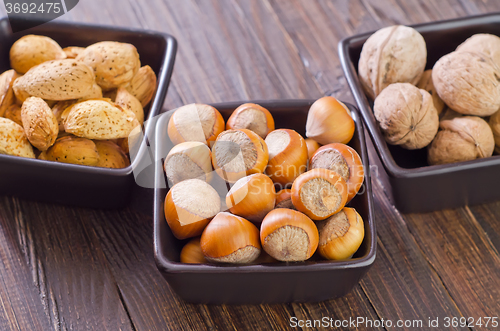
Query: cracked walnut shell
{"x": 461, "y": 139}
{"x": 395, "y": 54}
{"x": 406, "y": 115}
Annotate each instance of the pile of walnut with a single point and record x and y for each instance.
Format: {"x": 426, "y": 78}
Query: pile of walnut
{"x": 447, "y": 108}
{"x": 52, "y": 105}
{"x": 313, "y": 185}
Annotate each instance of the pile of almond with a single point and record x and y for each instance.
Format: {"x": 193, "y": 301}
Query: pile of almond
{"x": 73, "y": 105}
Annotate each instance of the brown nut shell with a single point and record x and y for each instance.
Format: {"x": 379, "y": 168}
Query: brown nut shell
{"x": 6, "y": 92}
{"x": 425, "y": 83}
{"x": 239, "y": 153}
{"x": 71, "y": 149}
{"x": 188, "y": 160}
{"x": 494, "y": 123}
{"x": 252, "y": 117}
{"x": 114, "y": 63}
{"x": 406, "y": 115}
{"x": 99, "y": 119}
{"x": 39, "y": 123}
{"x": 13, "y": 140}
{"x": 345, "y": 161}
{"x": 230, "y": 239}
{"x": 31, "y": 50}
{"x": 73, "y": 51}
{"x": 461, "y": 139}
{"x": 252, "y": 197}
{"x": 341, "y": 235}
{"x": 192, "y": 253}
{"x": 484, "y": 43}
{"x": 13, "y": 113}
{"x": 58, "y": 110}
{"x": 128, "y": 101}
{"x": 319, "y": 193}
{"x": 468, "y": 83}
{"x": 189, "y": 207}
{"x": 395, "y": 54}
{"x": 312, "y": 146}
{"x": 111, "y": 155}
{"x": 143, "y": 85}
{"x": 288, "y": 235}
{"x": 284, "y": 199}
{"x": 287, "y": 156}
{"x": 56, "y": 80}
{"x": 195, "y": 122}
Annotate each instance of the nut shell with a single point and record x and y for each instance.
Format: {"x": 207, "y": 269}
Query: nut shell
{"x": 39, "y": 123}
{"x": 98, "y": 119}
{"x": 406, "y": 115}
{"x": 425, "y": 83}
{"x": 143, "y": 85}
{"x": 114, "y": 63}
{"x": 252, "y": 117}
{"x": 56, "y": 80}
{"x": 14, "y": 113}
{"x": 73, "y": 51}
{"x": 494, "y": 123}
{"x": 111, "y": 155}
{"x": 461, "y": 139}
{"x": 284, "y": 199}
{"x": 31, "y": 50}
{"x": 188, "y": 160}
{"x": 127, "y": 101}
{"x": 13, "y": 141}
{"x": 71, "y": 149}
{"x": 487, "y": 44}
{"x": 395, "y": 54}
{"x": 468, "y": 83}
{"x": 6, "y": 92}
{"x": 192, "y": 253}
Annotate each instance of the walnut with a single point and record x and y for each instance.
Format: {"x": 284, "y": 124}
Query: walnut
{"x": 495, "y": 127}
{"x": 468, "y": 83}
{"x": 487, "y": 44}
{"x": 461, "y": 139}
{"x": 406, "y": 115}
{"x": 395, "y": 54}
{"x": 425, "y": 83}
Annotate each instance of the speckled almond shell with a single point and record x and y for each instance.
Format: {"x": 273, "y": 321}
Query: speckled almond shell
{"x": 73, "y": 51}
{"x": 6, "y": 93}
{"x": 406, "y": 115}
{"x": 127, "y": 101}
{"x": 13, "y": 141}
{"x": 56, "y": 80}
{"x": 143, "y": 85}
{"x": 468, "y": 83}
{"x": 99, "y": 119}
{"x": 31, "y": 50}
{"x": 395, "y": 54}
{"x": 39, "y": 123}
{"x": 75, "y": 150}
{"x": 111, "y": 155}
{"x": 114, "y": 63}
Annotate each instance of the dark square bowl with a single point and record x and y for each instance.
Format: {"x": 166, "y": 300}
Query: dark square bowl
{"x": 264, "y": 283}
{"x": 412, "y": 184}
{"x": 74, "y": 184}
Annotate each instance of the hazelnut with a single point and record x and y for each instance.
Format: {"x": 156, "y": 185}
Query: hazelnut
{"x": 252, "y": 117}
{"x": 395, "y": 54}
{"x": 288, "y": 235}
{"x": 341, "y": 235}
{"x": 192, "y": 253}
{"x": 189, "y": 207}
{"x": 461, "y": 139}
{"x": 319, "y": 193}
{"x": 238, "y": 153}
{"x": 345, "y": 161}
{"x": 406, "y": 115}
{"x": 468, "y": 83}
{"x": 252, "y": 197}
{"x": 230, "y": 239}
{"x": 487, "y": 44}
{"x": 312, "y": 146}
{"x": 425, "y": 83}
{"x": 495, "y": 127}
{"x": 287, "y": 156}
{"x": 195, "y": 122}
{"x": 284, "y": 199}
{"x": 188, "y": 160}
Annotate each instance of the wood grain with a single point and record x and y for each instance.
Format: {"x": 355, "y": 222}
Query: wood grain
{"x": 79, "y": 269}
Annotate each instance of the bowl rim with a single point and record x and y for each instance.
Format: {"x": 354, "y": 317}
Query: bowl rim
{"x": 171, "y": 267}
{"x": 163, "y": 82}
{"x": 392, "y": 168}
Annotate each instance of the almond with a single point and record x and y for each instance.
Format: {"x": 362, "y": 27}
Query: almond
{"x": 31, "y": 50}
{"x": 13, "y": 113}
{"x": 111, "y": 155}
{"x": 128, "y": 101}
{"x": 6, "y": 93}
{"x": 39, "y": 123}
{"x": 99, "y": 119}
{"x": 94, "y": 93}
{"x": 143, "y": 85}
{"x": 56, "y": 80}
{"x": 71, "y": 149}
{"x": 13, "y": 141}
{"x": 114, "y": 63}
{"x": 58, "y": 110}
{"x": 73, "y": 51}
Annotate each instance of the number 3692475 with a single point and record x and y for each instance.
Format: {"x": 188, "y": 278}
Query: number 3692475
{"x": 33, "y": 8}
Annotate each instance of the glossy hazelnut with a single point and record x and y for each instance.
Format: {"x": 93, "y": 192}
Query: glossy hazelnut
{"x": 284, "y": 199}
{"x": 191, "y": 252}
{"x": 312, "y": 146}
{"x": 188, "y": 160}
{"x": 252, "y": 117}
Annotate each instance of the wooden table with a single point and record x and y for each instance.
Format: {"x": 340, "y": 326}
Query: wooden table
{"x": 81, "y": 269}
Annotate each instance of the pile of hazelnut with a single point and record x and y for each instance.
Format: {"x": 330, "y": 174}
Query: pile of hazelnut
{"x": 453, "y": 108}
{"x": 283, "y": 197}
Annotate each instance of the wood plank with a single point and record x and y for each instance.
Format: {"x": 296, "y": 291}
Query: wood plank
{"x": 488, "y": 216}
